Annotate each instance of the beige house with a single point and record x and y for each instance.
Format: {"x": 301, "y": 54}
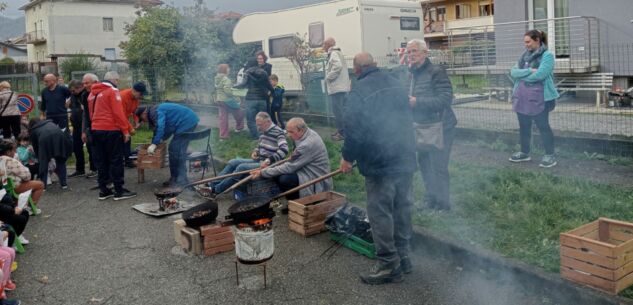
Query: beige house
{"x": 62, "y": 28}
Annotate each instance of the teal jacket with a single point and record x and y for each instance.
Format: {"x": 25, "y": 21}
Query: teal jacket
{"x": 545, "y": 73}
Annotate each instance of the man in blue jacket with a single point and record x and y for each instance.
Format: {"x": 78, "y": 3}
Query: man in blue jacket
{"x": 379, "y": 138}
{"x": 169, "y": 119}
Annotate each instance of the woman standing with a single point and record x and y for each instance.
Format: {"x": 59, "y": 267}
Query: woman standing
{"x": 262, "y": 62}
{"x": 9, "y": 112}
{"x": 534, "y": 96}
{"x": 227, "y": 103}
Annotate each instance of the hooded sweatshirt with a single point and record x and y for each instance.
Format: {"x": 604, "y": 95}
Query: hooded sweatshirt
{"x": 106, "y": 109}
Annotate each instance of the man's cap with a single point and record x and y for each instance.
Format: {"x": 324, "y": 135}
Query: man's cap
{"x": 140, "y": 87}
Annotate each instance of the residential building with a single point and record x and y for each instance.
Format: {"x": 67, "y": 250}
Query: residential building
{"x": 62, "y": 28}
{"x": 599, "y": 41}
{"x": 13, "y": 51}
{"x": 445, "y": 18}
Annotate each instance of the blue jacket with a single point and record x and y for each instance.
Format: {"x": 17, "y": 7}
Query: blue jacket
{"x": 381, "y": 140}
{"x": 278, "y": 98}
{"x": 545, "y": 74}
{"x": 173, "y": 119}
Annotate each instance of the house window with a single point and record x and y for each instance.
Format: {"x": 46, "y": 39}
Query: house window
{"x": 281, "y": 46}
{"x": 462, "y": 11}
{"x": 316, "y": 34}
{"x": 108, "y": 25}
{"x": 410, "y": 23}
{"x": 437, "y": 13}
{"x": 110, "y": 54}
{"x": 486, "y": 9}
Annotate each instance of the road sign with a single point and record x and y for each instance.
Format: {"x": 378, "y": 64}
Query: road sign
{"x": 26, "y": 103}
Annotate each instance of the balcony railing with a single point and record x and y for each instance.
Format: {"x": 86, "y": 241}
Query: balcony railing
{"x": 35, "y": 37}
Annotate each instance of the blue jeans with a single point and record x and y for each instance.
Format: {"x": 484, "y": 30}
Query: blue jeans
{"x": 252, "y": 108}
{"x": 178, "y": 157}
{"x": 235, "y": 165}
{"x": 389, "y": 202}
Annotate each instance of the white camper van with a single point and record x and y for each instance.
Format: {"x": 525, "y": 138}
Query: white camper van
{"x": 376, "y": 26}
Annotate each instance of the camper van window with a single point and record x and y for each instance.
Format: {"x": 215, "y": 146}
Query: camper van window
{"x": 316, "y": 34}
{"x": 281, "y": 46}
{"x": 410, "y": 23}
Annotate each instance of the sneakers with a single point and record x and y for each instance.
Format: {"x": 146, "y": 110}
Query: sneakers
{"x": 23, "y": 240}
{"x": 548, "y": 161}
{"x": 381, "y": 274}
{"x": 37, "y": 211}
{"x": 91, "y": 174}
{"x": 10, "y": 302}
{"x": 65, "y": 187}
{"x": 77, "y": 174}
{"x": 9, "y": 286}
{"x": 105, "y": 195}
{"x": 405, "y": 265}
{"x": 125, "y": 194}
{"x": 519, "y": 157}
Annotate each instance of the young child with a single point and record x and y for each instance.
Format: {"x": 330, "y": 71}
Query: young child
{"x": 26, "y": 155}
{"x": 278, "y": 101}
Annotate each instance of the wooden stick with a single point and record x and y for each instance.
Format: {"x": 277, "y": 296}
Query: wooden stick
{"x": 250, "y": 177}
{"x": 317, "y": 180}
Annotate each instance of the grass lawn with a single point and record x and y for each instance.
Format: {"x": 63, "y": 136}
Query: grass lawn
{"x": 516, "y": 213}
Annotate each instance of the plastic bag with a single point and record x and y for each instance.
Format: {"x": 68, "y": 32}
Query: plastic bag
{"x": 350, "y": 220}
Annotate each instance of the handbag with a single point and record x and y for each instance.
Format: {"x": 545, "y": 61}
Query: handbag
{"x": 529, "y": 98}
{"x": 232, "y": 103}
{"x": 428, "y": 136}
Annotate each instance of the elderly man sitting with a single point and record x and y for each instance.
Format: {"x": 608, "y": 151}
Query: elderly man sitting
{"x": 309, "y": 161}
{"x": 272, "y": 147}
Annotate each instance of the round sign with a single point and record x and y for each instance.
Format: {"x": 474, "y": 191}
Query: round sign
{"x": 26, "y": 103}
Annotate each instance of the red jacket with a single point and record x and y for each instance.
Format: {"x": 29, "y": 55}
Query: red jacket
{"x": 130, "y": 103}
{"x": 106, "y": 109}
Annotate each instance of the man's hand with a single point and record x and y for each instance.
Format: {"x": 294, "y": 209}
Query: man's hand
{"x": 256, "y": 173}
{"x": 42, "y": 116}
{"x": 345, "y": 167}
{"x": 126, "y": 138}
{"x": 84, "y": 137}
{"x": 67, "y": 104}
{"x": 264, "y": 163}
{"x": 254, "y": 155}
{"x": 151, "y": 149}
{"x": 412, "y": 101}
{"x": 132, "y": 132}
{"x": 137, "y": 125}
{"x": 18, "y": 211}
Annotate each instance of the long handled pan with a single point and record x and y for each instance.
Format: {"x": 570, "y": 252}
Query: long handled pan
{"x": 175, "y": 191}
{"x": 245, "y": 209}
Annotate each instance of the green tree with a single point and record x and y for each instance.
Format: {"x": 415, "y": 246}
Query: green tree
{"x": 156, "y": 47}
{"x": 79, "y": 62}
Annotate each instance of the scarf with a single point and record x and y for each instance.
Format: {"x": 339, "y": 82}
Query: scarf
{"x": 532, "y": 58}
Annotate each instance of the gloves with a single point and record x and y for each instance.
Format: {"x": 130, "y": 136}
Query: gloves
{"x": 151, "y": 149}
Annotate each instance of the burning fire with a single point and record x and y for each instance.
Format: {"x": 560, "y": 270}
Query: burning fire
{"x": 262, "y": 221}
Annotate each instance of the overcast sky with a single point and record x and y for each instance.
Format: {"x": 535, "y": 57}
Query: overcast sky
{"x": 241, "y": 6}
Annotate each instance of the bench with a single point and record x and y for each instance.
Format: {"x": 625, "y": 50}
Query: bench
{"x": 598, "y": 82}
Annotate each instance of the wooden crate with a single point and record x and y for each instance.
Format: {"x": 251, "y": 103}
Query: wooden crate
{"x": 147, "y": 161}
{"x": 306, "y": 216}
{"x": 216, "y": 239}
{"x": 599, "y": 254}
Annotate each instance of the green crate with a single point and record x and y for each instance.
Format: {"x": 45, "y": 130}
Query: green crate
{"x": 356, "y": 244}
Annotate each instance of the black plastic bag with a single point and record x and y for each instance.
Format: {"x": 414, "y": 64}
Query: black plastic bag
{"x": 350, "y": 220}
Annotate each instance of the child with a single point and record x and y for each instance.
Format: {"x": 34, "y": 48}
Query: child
{"x": 26, "y": 155}
{"x": 278, "y": 101}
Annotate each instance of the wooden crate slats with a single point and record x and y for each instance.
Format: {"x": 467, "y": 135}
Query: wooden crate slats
{"x": 591, "y": 245}
{"x": 218, "y": 236}
{"x": 599, "y": 254}
{"x": 218, "y": 243}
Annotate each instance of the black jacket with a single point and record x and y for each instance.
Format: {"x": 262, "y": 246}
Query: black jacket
{"x": 86, "y": 115}
{"x": 49, "y": 141}
{"x": 380, "y": 135}
{"x": 76, "y": 115}
{"x": 268, "y": 68}
{"x": 434, "y": 93}
{"x": 257, "y": 82}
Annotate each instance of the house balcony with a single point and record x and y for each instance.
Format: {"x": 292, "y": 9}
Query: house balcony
{"x": 35, "y": 37}
{"x": 455, "y": 27}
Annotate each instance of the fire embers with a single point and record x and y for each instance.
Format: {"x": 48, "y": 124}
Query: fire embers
{"x": 254, "y": 241}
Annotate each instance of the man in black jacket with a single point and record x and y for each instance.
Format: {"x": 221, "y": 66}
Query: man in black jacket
{"x": 76, "y": 118}
{"x": 380, "y": 139}
{"x": 259, "y": 88}
{"x": 430, "y": 97}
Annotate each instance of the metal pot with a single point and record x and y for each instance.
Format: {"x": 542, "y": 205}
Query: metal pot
{"x": 201, "y": 214}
